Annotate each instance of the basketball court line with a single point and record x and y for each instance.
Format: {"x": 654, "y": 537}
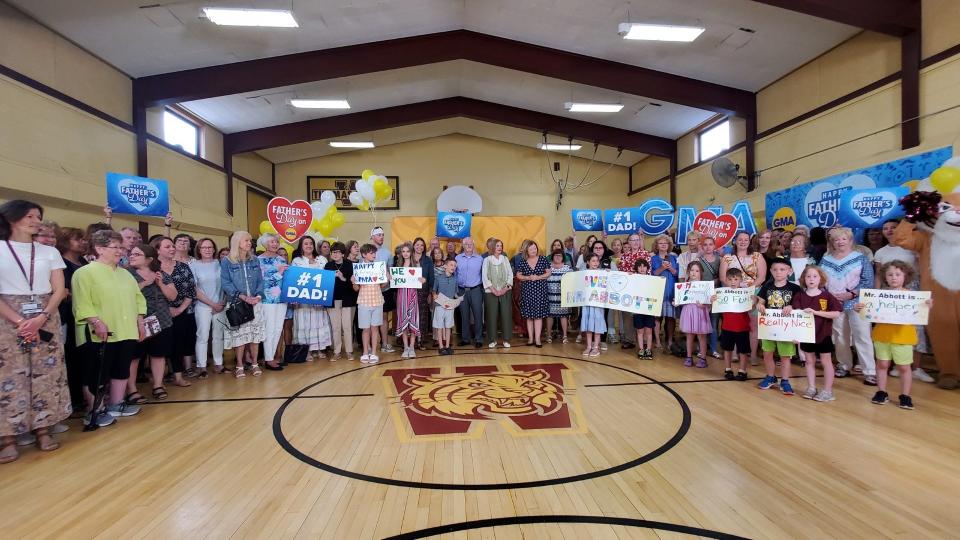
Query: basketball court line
{"x": 265, "y": 398}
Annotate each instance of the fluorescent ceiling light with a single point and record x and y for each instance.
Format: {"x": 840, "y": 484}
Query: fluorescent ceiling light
{"x": 560, "y": 147}
{"x": 251, "y": 17}
{"x": 320, "y": 103}
{"x": 347, "y": 144}
{"x": 592, "y": 107}
{"x": 659, "y": 32}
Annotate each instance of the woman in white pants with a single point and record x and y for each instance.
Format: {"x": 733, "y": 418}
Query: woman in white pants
{"x": 272, "y": 266}
{"x": 209, "y": 306}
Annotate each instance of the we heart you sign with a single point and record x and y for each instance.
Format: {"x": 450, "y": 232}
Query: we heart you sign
{"x": 722, "y": 228}
{"x": 406, "y": 277}
{"x": 127, "y": 194}
{"x": 290, "y": 219}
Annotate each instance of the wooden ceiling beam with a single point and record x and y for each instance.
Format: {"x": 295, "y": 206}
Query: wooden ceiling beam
{"x": 892, "y": 17}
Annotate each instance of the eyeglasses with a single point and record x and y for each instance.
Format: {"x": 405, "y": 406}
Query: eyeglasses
{"x": 111, "y": 247}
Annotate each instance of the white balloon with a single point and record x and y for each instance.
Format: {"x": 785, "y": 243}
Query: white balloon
{"x": 317, "y": 238}
{"x": 356, "y": 199}
{"x": 328, "y": 197}
{"x": 319, "y": 208}
{"x": 366, "y": 191}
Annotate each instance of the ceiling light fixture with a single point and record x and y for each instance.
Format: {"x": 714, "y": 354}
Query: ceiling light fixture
{"x": 273, "y": 18}
{"x": 320, "y": 103}
{"x": 659, "y": 32}
{"x": 592, "y": 107}
{"x": 354, "y": 144}
{"x": 559, "y": 147}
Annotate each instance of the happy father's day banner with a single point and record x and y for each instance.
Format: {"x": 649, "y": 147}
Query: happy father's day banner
{"x": 635, "y": 293}
{"x": 129, "y": 194}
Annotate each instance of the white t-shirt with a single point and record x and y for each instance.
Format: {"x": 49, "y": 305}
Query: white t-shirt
{"x": 12, "y": 280}
{"x": 895, "y": 253}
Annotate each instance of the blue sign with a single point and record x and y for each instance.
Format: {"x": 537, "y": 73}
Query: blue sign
{"x": 621, "y": 220}
{"x": 453, "y": 225}
{"x": 586, "y": 220}
{"x": 817, "y": 204}
{"x": 128, "y": 194}
{"x": 869, "y": 208}
{"x": 307, "y": 286}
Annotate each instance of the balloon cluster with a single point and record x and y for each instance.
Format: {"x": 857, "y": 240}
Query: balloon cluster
{"x": 371, "y": 190}
{"x": 945, "y": 179}
{"x": 921, "y": 206}
{"x": 326, "y": 217}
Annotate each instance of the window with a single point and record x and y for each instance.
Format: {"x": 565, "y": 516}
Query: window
{"x": 179, "y": 132}
{"x": 714, "y": 140}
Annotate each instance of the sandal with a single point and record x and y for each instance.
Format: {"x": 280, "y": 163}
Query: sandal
{"x": 566, "y": 340}
{"x": 219, "y": 370}
{"x": 9, "y": 453}
{"x": 45, "y": 441}
{"x": 183, "y": 383}
{"x": 256, "y": 370}
{"x": 160, "y": 393}
{"x": 239, "y": 372}
{"x": 135, "y": 398}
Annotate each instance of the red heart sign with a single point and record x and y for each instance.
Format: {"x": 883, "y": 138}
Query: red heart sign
{"x": 721, "y": 228}
{"x": 290, "y": 219}
{"x": 411, "y": 271}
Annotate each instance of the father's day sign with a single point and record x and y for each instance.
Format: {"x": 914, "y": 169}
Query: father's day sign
{"x": 635, "y": 293}
{"x": 586, "y": 220}
{"x": 865, "y": 208}
{"x": 895, "y": 307}
{"x": 731, "y": 300}
{"x": 290, "y": 219}
{"x": 798, "y": 326}
{"x": 692, "y": 292}
{"x": 453, "y": 225}
{"x": 307, "y": 286}
{"x": 371, "y": 273}
{"x": 128, "y": 194}
{"x": 406, "y": 277}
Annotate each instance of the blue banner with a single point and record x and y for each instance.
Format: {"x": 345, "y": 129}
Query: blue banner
{"x": 817, "y": 204}
{"x": 128, "y": 194}
{"x": 307, "y": 286}
{"x": 869, "y": 208}
{"x": 586, "y": 220}
{"x": 453, "y": 225}
{"x": 652, "y": 217}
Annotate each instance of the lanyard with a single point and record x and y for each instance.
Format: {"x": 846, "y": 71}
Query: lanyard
{"x": 33, "y": 253}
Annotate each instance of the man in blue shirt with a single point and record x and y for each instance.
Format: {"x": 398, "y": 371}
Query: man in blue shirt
{"x": 469, "y": 267}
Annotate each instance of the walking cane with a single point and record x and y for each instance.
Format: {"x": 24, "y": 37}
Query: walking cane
{"x": 101, "y": 388}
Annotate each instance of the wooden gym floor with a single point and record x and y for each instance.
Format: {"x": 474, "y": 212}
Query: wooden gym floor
{"x": 613, "y": 447}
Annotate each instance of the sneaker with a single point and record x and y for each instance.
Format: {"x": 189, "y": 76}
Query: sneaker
{"x": 579, "y": 338}
{"x": 123, "y": 409}
{"x": 102, "y": 419}
{"x": 785, "y": 387}
{"x": 586, "y": 352}
{"x": 921, "y": 375}
{"x": 742, "y": 376}
{"x": 364, "y": 358}
{"x": 715, "y": 354}
{"x": 880, "y": 398}
{"x": 701, "y": 362}
{"x": 648, "y": 353}
{"x": 906, "y": 402}
{"x": 413, "y": 353}
{"x": 870, "y": 380}
{"x": 603, "y": 346}
{"x": 810, "y": 393}
{"x": 373, "y": 359}
{"x": 595, "y": 352}
{"x": 492, "y": 345}
{"x": 449, "y": 350}
{"x": 858, "y": 368}
{"x": 614, "y": 340}
{"x": 767, "y": 383}
{"x": 895, "y": 373}
{"x": 841, "y": 371}
{"x": 824, "y": 396}
{"x": 728, "y": 374}
{"x": 506, "y": 344}
{"x": 688, "y": 362}
{"x": 387, "y": 348}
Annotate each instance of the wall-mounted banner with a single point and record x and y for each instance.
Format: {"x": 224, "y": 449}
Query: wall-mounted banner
{"x": 798, "y": 326}
{"x": 453, "y": 225}
{"x": 866, "y": 208}
{"x": 308, "y": 286}
{"x": 406, "y": 277}
{"x": 817, "y": 204}
{"x": 895, "y": 307}
{"x": 692, "y": 292}
{"x": 586, "y": 220}
{"x": 290, "y": 219}
{"x": 371, "y": 273}
{"x": 656, "y": 216}
{"x": 731, "y": 300}
{"x": 129, "y": 194}
{"x": 635, "y": 293}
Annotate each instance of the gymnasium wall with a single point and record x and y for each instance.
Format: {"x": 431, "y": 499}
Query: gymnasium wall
{"x": 513, "y": 180}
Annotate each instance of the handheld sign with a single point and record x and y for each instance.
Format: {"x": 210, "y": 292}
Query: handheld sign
{"x": 635, "y": 293}
{"x": 372, "y": 273}
{"x": 446, "y": 302}
{"x": 774, "y": 325}
{"x": 730, "y": 300}
{"x": 406, "y": 277}
{"x": 307, "y": 286}
{"x": 290, "y": 219}
{"x": 128, "y": 194}
{"x": 453, "y": 225}
{"x": 692, "y": 292}
{"x": 586, "y": 220}
{"x": 895, "y": 307}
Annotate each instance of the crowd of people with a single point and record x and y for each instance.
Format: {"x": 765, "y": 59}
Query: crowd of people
{"x": 90, "y": 314}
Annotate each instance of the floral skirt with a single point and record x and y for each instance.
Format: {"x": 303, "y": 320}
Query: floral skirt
{"x": 33, "y": 382}
{"x": 311, "y": 326}
{"x": 248, "y": 332}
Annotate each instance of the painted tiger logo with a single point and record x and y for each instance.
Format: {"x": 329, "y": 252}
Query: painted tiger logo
{"x": 482, "y": 396}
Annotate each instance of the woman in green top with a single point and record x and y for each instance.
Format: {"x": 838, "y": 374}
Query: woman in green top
{"x": 109, "y": 310}
{"x": 497, "y": 278}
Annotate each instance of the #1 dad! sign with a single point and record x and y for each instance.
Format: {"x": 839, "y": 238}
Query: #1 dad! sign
{"x": 615, "y": 290}
{"x": 775, "y": 325}
{"x": 128, "y": 194}
{"x": 895, "y": 307}
{"x": 307, "y": 286}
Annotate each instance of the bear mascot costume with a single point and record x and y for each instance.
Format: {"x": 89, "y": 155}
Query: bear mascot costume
{"x": 932, "y": 230}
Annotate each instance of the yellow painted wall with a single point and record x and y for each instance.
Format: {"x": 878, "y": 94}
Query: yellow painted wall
{"x": 941, "y": 25}
{"x": 650, "y": 169}
{"x": 511, "y": 179}
{"x": 252, "y": 166}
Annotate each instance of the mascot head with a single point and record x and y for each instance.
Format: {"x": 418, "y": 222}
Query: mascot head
{"x": 936, "y": 205}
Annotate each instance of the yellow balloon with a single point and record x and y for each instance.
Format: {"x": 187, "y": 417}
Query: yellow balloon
{"x": 266, "y": 227}
{"x": 367, "y": 173}
{"x": 945, "y": 179}
{"x": 912, "y": 184}
{"x": 338, "y": 220}
{"x": 326, "y": 227}
{"x": 330, "y": 211}
{"x": 315, "y": 225}
{"x": 364, "y": 206}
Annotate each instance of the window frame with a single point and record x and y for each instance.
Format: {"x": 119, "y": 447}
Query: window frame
{"x": 196, "y": 126}
{"x": 706, "y": 129}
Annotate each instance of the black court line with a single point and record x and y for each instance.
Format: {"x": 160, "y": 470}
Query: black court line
{"x": 266, "y": 398}
{"x": 593, "y": 520}
{"x": 681, "y": 432}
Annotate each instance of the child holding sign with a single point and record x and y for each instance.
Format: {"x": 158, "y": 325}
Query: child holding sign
{"x": 777, "y": 294}
{"x": 695, "y": 320}
{"x": 369, "y": 308}
{"x": 408, "y": 306}
{"x": 734, "y": 331}
{"x": 825, "y": 308}
{"x": 644, "y": 324}
{"x": 593, "y": 323}
{"x": 894, "y": 342}
{"x": 445, "y": 288}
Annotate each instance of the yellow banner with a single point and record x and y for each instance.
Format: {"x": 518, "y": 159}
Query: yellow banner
{"x": 513, "y": 230}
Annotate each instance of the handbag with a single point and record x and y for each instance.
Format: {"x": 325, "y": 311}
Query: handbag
{"x": 240, "y": 312}
{"x": 296, "y": 353}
